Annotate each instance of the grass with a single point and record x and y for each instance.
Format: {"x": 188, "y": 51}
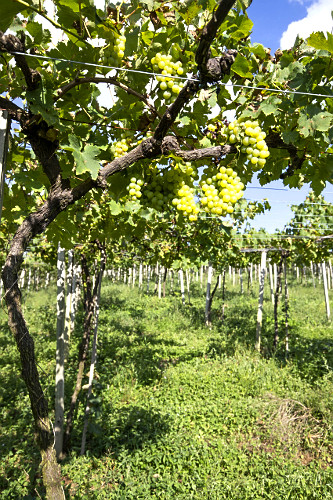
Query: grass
{"x": 180, "y": 411}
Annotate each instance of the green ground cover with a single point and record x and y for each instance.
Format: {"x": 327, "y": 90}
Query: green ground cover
{"x": 181, "y": 411}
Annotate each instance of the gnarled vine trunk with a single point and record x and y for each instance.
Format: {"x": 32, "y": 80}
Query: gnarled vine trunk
{"x": 39, "y": 406}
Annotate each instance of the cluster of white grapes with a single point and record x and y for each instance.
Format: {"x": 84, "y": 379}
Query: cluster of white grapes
{"x": 221, "y": 186}
{"x": 120, "y": 148}
{"x": 172, "y": 186}
{"x": 222, "y": 190}
{"x": 162, "y": 63}
{"x": 134, "y": 188}
{"x": 113, "y": 53}
{"x": 251, "y": 138}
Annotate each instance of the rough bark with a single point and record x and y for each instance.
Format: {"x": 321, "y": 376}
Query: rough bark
{"x": 39, "y": 406}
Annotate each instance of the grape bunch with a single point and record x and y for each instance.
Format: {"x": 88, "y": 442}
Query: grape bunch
{"x": 134, "y": 188}
{"x": 162, "y": 63}
{"x": 221, "y": 190}
{"x": 167, "y": 188}
{"x": 119, "y": 148}
{"x": 113, "y": 52}
{"x": 249, "y": 135}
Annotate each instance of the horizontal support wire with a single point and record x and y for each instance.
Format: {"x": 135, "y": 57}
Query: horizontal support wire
{"x": 174, "y": 77}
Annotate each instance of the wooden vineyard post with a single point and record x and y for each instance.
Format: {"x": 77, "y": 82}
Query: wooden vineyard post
{"x": 69, "y": 302}
{"x": 188, "y": 279}
{"x": 148, "y": 279}
{"x": 4, "y": 133}
{"x": 331, "y": 272}
{"x": 328, "y": 278}
{"x": 140, "y": 276}
{"x": 160, "y": 278}
{"x": 133, "y": 275}
{"x": 327, "y": 302}
{"x": 75, "y": 293}
{"x": 223, "y": 295}
{"x": 261, "y": 300}
{"x": 276, "y": 303}
{"x": 209, "y": 283}
{"x": 271, "y": 281}
{"x": 93, "y": 353}
{"x": 182, "y": 290}
{"x": 286, "y": 306}
{"x": 60, "y": 355}
{"x": 312, "y": 274}
{"x": 241, "y": 280}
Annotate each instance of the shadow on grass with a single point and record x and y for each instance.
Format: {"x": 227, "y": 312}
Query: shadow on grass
{"x": 127, "y": 429}
{"x": 146, "y": 355}
{"x": 313, "y": 358}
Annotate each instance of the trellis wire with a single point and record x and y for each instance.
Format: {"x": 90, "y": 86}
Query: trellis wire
{"x": 170, "y": 76}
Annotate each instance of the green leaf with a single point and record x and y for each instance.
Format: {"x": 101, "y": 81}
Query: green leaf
{"x": 8, "y": 10}
{"x": 323, "y": 121}
{"x": 147, "y": 37}
{"x": 241, "y": 67}
{"x": 132, "y": 40}
{"x": 38, "y": 34}
{"x": 270, "y": 106}
{"x": 290, "y": 136}
{"x": 185, "y": 120}
{"x": 320, "y": 42}
{"x": 244, "y": 29}
{"x": 132, "y": 206}
{"x": 259, "y": 50}
{"x": 205, "y": 142}
{"x": 114, "y": 207}
{"x": 86, "y": 162}
{"x": 147, "y": 214}
{"x": 320, "y": 122}
{"x": 40, "y": 102}
{"x": 191, "y": 12}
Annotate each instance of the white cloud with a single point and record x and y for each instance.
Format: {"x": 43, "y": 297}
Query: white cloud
{"x": 318, "y": 18}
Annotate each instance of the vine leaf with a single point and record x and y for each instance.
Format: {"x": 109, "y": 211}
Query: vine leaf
{"x": 85, "y": 159}
{"x": 241, "y": 66}
{"x": 8, "y": 10}
{"x": 320, "y": 42}
{"x": 114, "y": 207}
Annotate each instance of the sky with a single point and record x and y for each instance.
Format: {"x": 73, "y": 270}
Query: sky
{"x": 276, "y": 25}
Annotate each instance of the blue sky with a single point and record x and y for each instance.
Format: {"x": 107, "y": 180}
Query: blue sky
{"x": 272, "y": 20}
